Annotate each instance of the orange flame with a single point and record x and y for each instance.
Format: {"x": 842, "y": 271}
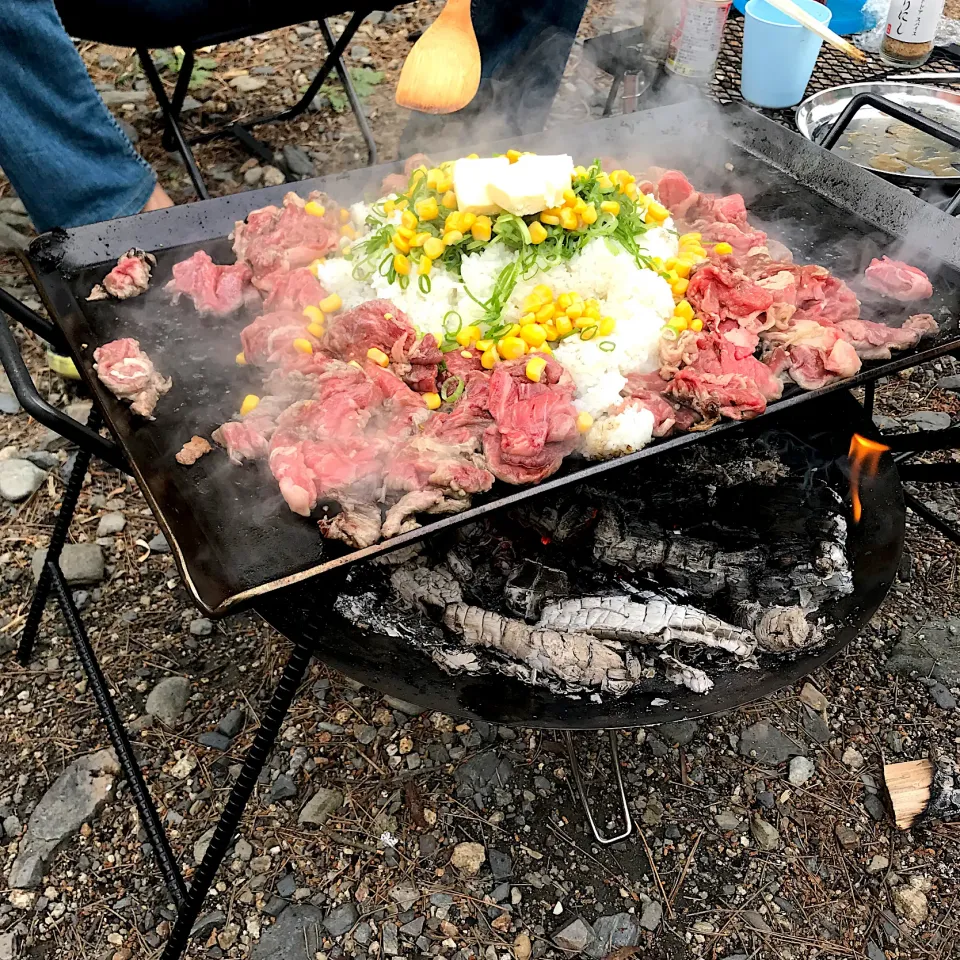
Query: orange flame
{"x": 864, "y": 457}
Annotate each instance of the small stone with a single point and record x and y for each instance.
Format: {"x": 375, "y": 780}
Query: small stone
{"x": 272, "y": 177}
{"x": 403, "y": 706}
{"x": 158, "y": 544}
{"x": 942, "y": 697}
{"x": 19, "y": 479}
{"x": 813, "y": 698}
{"x": 612, "y": 933}
{"x": 297, "y": 935}
{"x": 768, "y": 744}
{"x": 298, "y": 163}
{"x": 853, "y": 759}
{"x": 201, "y": 627}
{"x": 263, "y": 71}
{"x": 405, "y": 893}
{"x": 414, "y": 928}
{"x": 484, "y": 772}
{"x": 878, "y": 864}
{"x": 651, "y": 916}
{"x": 283, "y": 788}
{"x": 8, "y": 945}
{"x": 756, "y": 921}
{"x": 9, "y": 404}
{"x": 574, "y": 937}
{"x": 653, "y": 813}
{"x": 111, "y": 524}
{"x": 468, "y": 858}
{"x": 847, "y": 837}
{"x": 949, "y": 383}
{"x": 42, "y": 459}
{"x": 358, "y": 51}
{"x": 209, "y": 922}
{"x": 680, "y": 733}
{"x": 341, "y": 919}
{"x": 801, "y": 770}
{"x": 253, "y": 175}
{"x": 215, "y": 741}
{"x": 321, "y": 806}
{"x": 766, "y": 834}
{"x": 875, "y": 952}
{"x": 233, "y": 722}
{"x": 911, "y": 904}
{"x": 522, "y": 947}
{"x": 816, "y": 728}
{"x": 243, "y": 850}
{"x": 874, "y": 806}
{"x": 80, "y": 563}
{"x": 286, "y": 886}
{"x": 364, "y": 733}
{"x": 389, "y": 940}
{"x": 929, "y": 419}
{"x": 727, "y": 820}
{"x": 168, "y": 699}
{"x": 501, "y": 865}
{"x": 247, "y": 84}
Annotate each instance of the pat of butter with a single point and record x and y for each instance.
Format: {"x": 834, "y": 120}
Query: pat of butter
{"x": 532, "y": 184}
{"x": 471, "y": 183}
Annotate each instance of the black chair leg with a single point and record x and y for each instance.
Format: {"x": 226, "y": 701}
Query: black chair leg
{"x": 355, "y": 103}
{"x": 171, "y": 117}
{"x": 58, "y": 538}
{"x": 242, "y": 790}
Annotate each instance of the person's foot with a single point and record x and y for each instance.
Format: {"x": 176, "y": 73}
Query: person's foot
{"x": 159, "y": 200}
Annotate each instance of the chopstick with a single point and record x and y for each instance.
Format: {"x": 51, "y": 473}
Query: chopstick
{"x": 815, "y": 26}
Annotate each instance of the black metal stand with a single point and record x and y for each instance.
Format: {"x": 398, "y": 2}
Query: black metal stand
{"x": 174, "y": 137}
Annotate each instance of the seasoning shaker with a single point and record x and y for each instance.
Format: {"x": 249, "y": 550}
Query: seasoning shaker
{"x": 695, "y": 44}
{"x": 910, "y": 31}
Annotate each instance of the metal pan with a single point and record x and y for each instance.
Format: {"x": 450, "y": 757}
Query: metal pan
{"x": 868, "y": 135}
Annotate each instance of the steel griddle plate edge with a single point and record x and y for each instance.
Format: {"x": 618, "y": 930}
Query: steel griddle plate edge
{"x": 819, "y": 185}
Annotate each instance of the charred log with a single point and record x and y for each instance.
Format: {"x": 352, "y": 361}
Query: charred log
{"x": 424, "y": 587}
{"x": 779, "y": 629}
{"x": 529, "y": 587}
{"x": 684, "y": 675}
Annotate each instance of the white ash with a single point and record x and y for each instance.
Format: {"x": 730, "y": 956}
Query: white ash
{"x": 420, "y": 585}
{"x": 780, "y": 629}
{"x": 685, "y": 675}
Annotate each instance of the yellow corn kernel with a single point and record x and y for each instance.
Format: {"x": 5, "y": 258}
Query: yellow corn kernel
{"x": 452, "y": 237}
{"x": 424, "y": 265}
{"x": 408, "y": 219}
{"x": 584, "y": 421}
{"x": 331, "y": 304}
{"x": 550, "y": 330}
{"x": 543, "y": 293}
{"x": 406, "y": 233}
{"x": 589, "y": 214}
{"x": 527, "y": 318}
{"x": 568, "y": 219}
{"x": 534, "y": 368}
{"x": 632, "y": 191}
{"x": 449, "y": 200}
{"x": 473, "y": 156}
{"x": 585, "y": 322}
{"x": 241, "y": 359}
{"x": 354, "y": 363}
{"x": 577, "y": 297}
{"x": 533, "y": 335}
{"x": 452, "y": 221}
{"x": 401, "y": 243}
{"x": 564, "y": 301}
{"x": 469, "y": 335}
{"x": 433, "y": 177}
{"x": 401, "y": 264}
{"x": 604, "y": 182}
{"x": 389, "y": 207}
{"x": 432, "y": 400}
{"x": 250, "y": 403}
{"x": 483, "y": 345}
{"x": 696, "y": 324}
{"x": 691, "y": 237}
{"x": 482, "y": 229}
{"x": 378, "y": 357}
{"x": 564, "y": 326}
{"x": 467, "y": 220}
{"x": 537, "y": 232}
{"x": 607, "y": 326}
{"x": 315, "y": 330}
{"x": 347, "y": 231}
{"x": 433, "y": 247}
{"x": 574, "y": 311}
{"x": 679, "y": 287}
{"x": 466, "y": 354}
{"x": 444, "y": 186}
{"x": 546, "y": 312}
{"x": 514, "y": 155}
{"x": 531, "y": 303}
{"x": 316, "y": 264}
{"x": 580, "y": 172}
{"x": 656, "y": 212}
{"x": 723, "y": 249}
{"x": 514, "y": 330}
{"x": 418, "y": 239}
{"x": 314, "y": 209}
{"x": 403, "y": 203}
{"x": 489, "y": 359}
{"x": 592, "y": 313}
{"x": 302, "y": 345}
{"x": 682, "y": 268}
{"x": 610, "y": 206}
{"x": 551, "y": 219}
{"x": 427, "y": 209}
{"x": 511, "y": 347}
{"x": 580, "y": 206}
{"x": 684, "y": 309}
{"x": 569, "y": 197}
{"x": 344, "y": 215}
{"x": 678, "y": 324}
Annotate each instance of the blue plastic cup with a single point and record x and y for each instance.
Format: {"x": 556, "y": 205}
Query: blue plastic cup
{"x": 778, "y": 54}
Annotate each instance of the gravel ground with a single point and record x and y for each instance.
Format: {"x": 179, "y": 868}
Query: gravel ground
{"x": 379, "y": 829}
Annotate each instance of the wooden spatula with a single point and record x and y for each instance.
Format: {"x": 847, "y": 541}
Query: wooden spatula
{"x": 442, "y": 72}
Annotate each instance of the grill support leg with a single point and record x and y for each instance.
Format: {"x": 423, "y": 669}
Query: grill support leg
{"x": 582, "y": 793}
{"x": 253, "y": 763}
{"x": 869, "y": 394}
{"x": 118, "y": 735}
{"x": 58, "y": 538}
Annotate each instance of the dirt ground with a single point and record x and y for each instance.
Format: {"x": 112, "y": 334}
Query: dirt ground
{"x": 738, "y": 854}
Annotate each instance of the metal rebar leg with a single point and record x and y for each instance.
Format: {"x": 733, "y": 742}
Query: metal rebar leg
{"x": 614, "y": 92}
{"x": 233, "y": 810}
{"x": 935, "y": 521}
{"x": 58, "y": 538}
{"x": 869, "y": 394}
{"x": 172, "y": 122}
{"x": 582, "y": 793}
{"x": 118, "y": 737}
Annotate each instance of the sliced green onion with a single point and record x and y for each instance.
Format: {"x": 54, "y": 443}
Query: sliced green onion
{"x": 423, "y": 282}
{"x": 451, "y": 396}
{"x": 607, "y": 346}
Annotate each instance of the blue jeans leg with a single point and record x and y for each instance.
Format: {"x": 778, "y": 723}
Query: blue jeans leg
{"x": 60, "y": 146}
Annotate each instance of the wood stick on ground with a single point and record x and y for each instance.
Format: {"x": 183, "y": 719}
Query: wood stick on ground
{"x": 923, "y": 790}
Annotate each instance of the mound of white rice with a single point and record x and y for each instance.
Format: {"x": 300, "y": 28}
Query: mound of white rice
{"x": 640, "y": 301}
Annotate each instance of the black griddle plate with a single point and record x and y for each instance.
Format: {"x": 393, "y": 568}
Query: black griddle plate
{"x": 230, "y": 532}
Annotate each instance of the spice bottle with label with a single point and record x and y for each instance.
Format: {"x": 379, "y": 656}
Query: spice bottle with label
{"x": 910, "y": 32}
{"x": 696, "y": 39}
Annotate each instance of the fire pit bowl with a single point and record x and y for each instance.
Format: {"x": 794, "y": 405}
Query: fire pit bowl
{"x": 819, "y": 435}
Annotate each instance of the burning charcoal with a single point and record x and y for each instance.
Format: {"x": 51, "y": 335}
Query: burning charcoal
{"x": 655, "y": 621}
{"x": 531, "y": 586}
{"x": 423, "y": 586}
{"x": 575, "y": 659}
{"x": 779, "y": 629}
{"x": 683, "y": 675}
